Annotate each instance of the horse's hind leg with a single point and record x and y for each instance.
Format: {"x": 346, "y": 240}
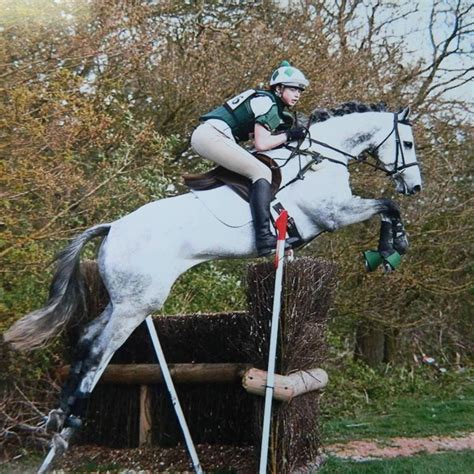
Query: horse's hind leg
{"x": 122, "y": 322}
{"x": 87, "y": 338}
{"x": 67, "y": 399}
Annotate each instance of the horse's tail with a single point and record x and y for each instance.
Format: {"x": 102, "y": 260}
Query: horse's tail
{"x": 66, "y": 297}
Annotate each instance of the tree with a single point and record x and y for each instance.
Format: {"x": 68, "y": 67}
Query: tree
{"x": 99, "y": 98}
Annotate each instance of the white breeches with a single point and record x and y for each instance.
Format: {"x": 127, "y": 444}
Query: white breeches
{"x": 215, "y": 145}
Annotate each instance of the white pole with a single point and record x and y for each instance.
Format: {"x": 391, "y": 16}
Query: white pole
{"x": 174, "y": 397}
{"x": 281, "y": 224}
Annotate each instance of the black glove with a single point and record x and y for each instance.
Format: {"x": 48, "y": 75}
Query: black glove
{"x": 297, "y": 133}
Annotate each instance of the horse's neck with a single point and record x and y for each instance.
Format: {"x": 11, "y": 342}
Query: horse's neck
{"x": 351, "y": 134}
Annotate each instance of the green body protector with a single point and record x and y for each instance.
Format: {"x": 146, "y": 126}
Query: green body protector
{"x": 238, "y": 114}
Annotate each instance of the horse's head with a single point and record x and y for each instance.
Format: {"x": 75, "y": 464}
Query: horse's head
{"x": 396, "y": 154}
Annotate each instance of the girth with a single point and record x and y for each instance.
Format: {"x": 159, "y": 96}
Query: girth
{"x": 221, "y": 176}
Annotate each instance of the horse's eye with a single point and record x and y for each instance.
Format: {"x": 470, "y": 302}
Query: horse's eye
{"x": 408, "y": 145}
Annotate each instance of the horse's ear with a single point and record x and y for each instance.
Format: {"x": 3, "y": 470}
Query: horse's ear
{"x": 404, "y": 114}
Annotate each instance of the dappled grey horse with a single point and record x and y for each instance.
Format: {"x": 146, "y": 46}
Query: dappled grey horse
{"x": 143, "y": 253}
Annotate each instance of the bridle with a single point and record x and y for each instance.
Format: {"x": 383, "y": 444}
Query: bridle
{"x": 400, "y": 163}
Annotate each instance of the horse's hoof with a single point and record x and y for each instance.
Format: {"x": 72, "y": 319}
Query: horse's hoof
{"x": 55, "y": 420}
{"x": 392, "y": 261}
{"x": 73, "y": 422}
{"x": 372, "y": 259}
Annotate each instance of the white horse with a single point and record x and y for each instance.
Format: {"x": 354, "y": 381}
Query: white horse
{"x": 144, "y": 252}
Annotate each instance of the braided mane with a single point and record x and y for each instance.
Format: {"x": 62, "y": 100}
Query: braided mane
{"x": 321, "y": 115}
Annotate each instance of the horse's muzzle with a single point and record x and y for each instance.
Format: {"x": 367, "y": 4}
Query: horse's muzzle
{"x": 403, "y": 188}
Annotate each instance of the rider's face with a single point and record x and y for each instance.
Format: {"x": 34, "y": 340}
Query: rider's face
{"x": 290, "y": 95}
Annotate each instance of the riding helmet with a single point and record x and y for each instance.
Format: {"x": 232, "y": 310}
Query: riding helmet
{"x": 288, "y": 76}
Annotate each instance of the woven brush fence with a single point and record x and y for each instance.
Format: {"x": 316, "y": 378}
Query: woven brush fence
{"x": 221, "y": 412}
{"x": 216, "y": 413}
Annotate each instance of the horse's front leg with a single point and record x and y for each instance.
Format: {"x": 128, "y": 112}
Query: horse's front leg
{"x": 400, "y": 238}
{"x": 357, "y": 210}
{"x": 386, "y": 253}
{"x": 392, "y": 232}
{"x": 393, "y": 241}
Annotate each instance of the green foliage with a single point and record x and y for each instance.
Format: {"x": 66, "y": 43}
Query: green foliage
{"x": 26, "y": 463}
{"x": 210, "y": 287}
{"x": 379, "y": 388}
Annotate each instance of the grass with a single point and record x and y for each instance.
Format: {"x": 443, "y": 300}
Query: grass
{"x": 416, "y": 408}
{"x": 407, "y": 417}
{"x": 30, "y": 463}
{"x": 361, "y": 402}
{"x": 461, "y": 462}
{"x": 26, "y": 464}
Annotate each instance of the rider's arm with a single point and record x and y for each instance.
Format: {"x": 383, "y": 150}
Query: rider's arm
{"x": 264, "y": 140}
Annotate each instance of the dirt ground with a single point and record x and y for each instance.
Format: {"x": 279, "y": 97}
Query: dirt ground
{"x": 242, "y": 459}
{"x": 364, "y": 450}
{"x": 212, "y": 458}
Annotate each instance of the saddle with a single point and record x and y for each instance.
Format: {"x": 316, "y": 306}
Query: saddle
{"x": 221, "y": 176}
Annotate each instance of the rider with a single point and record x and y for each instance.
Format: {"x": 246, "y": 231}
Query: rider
{"x": 264, "y": 115}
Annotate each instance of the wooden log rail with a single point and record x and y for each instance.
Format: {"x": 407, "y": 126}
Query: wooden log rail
{"x": 253, "y": 380}
{"x": 286, "y": 387}
{"x": 148, "y": 374}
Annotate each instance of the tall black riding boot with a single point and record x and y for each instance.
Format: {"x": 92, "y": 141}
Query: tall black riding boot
{"x": 260, "y": 198}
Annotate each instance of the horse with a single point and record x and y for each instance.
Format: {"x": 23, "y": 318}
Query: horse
{"x": 143, "y": 253}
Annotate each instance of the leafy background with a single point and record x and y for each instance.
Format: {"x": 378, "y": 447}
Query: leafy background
{"x": 98, "y": 100}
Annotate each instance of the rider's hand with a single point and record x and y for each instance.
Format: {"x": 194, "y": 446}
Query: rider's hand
{"x": 296, "y": 133}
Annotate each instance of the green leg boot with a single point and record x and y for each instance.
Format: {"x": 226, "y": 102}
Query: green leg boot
{"x": 372, "y": 260}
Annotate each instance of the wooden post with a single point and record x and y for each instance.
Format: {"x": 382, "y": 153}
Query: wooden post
{"x": 145, "y": 424}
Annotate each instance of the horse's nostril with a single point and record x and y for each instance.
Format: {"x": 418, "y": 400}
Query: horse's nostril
{"x": 416, "y": 189}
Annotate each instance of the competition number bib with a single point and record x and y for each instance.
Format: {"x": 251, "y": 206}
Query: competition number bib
{"x": 238, "y": 99}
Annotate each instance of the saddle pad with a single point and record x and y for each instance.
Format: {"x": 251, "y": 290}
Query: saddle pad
{"x": 226, "y": 206}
